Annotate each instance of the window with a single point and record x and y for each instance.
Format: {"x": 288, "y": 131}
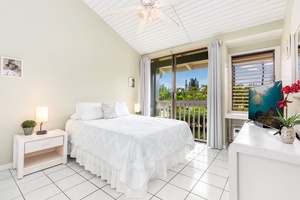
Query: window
{"x": 248, "y": 71}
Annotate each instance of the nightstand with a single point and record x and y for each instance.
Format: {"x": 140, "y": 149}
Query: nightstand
{"x": 36, "y": 152}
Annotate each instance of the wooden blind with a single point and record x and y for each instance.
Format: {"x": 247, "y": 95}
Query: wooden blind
{"x": 248, "y": 71}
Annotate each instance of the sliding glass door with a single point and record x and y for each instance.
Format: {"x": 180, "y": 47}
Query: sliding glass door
{"x": 179, "y": 89}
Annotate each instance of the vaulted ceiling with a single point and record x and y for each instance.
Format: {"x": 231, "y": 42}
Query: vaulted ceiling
{"x": 198, "y": 19}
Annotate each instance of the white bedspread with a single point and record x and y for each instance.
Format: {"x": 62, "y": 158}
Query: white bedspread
{"x": 131, "y": 144}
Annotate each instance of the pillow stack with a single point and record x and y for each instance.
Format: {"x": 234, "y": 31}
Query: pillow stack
{"x": 93, "y": 111}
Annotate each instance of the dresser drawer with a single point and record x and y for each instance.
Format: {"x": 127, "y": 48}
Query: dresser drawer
{"x": 43, "y": 144}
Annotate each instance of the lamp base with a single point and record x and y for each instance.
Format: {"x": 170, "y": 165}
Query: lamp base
{"x": 41, "y": 132}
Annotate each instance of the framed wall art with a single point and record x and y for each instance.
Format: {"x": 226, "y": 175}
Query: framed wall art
{"x": 11, "y": 67}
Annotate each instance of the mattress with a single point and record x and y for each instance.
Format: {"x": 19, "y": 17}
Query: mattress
{"x": 128, "y": 151}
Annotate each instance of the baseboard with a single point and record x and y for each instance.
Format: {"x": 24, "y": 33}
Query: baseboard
{"x": 5, "y": 167}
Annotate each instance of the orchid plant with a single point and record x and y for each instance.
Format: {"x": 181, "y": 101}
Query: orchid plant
{"x": 293, "y": 120}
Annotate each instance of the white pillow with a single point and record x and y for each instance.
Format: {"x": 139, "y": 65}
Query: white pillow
{"x": 122, "y": 109}
{"x": 89, "y": 111}
{"x": 75, "y": 116}
{"x": 109, "y": 110}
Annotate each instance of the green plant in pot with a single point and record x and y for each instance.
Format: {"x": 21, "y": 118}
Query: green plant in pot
{"x": 28, "y": 126}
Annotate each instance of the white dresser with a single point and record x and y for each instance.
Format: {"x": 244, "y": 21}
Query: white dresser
{"x": 261, "y": 167}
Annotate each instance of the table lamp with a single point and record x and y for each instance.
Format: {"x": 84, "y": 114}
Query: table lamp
{"x": 41, "y": 116}
{"x": 137, "y": 108}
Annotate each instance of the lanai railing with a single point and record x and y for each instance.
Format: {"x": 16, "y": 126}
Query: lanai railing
{"x": 193, "y": 112}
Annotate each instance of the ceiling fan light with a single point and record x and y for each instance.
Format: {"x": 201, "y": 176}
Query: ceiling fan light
{"x": 142, "y": 14}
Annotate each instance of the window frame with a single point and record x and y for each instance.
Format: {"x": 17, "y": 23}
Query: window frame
{"x": 277, "y": 60}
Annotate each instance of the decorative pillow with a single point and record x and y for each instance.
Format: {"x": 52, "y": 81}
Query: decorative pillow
{"x": 75, "y": 116}
{"x": 122, "y": 109}
{"x": 109, "y": 110}
{"x": 89, "y": 111}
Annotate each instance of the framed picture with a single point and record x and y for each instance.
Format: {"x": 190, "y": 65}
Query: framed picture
{"x": 131, "y": 82}
{"x": 288, "y": 46}
{"x": 11, "y": 67}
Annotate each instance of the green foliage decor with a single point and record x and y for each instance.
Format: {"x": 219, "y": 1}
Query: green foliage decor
{"x": 28, "y": 124}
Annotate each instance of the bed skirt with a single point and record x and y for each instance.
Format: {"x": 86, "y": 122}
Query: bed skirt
{"x": 114, "y": 176}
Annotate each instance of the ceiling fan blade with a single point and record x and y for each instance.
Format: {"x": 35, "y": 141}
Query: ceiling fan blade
{"x": 141, "y": 26}
{"x": 126, "y": 9}
{"x": 170, "y": 22}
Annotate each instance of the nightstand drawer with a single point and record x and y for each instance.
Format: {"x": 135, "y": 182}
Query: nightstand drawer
{"x": 43, "y": 144}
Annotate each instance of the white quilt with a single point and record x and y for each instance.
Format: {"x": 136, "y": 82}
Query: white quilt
{"x": 130, "y": 144}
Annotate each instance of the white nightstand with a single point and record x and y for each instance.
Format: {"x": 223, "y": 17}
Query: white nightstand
{"x": 36, "y": 152}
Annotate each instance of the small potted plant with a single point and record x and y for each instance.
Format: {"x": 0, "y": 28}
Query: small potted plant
{"x": 28, "y": 126}
{"x": 287, "y": 131}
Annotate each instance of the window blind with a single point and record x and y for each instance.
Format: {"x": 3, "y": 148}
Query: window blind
{"x": 248, "y": 71}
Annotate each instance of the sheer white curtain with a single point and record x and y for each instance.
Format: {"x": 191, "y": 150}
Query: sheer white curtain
{"x": 214, "y": 101}
{"x": 145, "y": 86}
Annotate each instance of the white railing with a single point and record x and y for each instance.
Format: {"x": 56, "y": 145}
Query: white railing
{"x": 192, "y": 112}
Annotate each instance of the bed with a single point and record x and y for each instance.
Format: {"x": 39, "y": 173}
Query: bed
{"x": 129, "y": 150}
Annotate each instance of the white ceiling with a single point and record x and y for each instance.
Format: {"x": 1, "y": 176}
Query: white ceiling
{"x": 198, "y": 19}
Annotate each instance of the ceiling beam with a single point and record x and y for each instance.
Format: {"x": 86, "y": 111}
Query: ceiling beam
{"x": 188, "y": 66}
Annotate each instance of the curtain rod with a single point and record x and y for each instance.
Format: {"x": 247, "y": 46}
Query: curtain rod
{"x": 186, "y": 50}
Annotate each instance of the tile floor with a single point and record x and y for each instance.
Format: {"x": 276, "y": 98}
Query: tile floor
{"x": 203, "y": 175}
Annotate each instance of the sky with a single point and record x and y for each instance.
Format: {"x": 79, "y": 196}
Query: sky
{"x": 200, "y": 74}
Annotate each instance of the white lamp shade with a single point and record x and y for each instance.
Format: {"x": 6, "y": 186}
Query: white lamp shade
{"x": 137, "y": 107}
{"x": 41, "y": 114}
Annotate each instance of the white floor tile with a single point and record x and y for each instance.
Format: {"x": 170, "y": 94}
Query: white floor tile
{"x": 87, "y": 174}
{"x": 220, "y": 163}
{"x": 155, "y": 198}
{"x": 10, "y": 193}
{"x": 29, "y": 177}
{"x": 147, "y": 197}
{"x": 80, "y": 191}
{"x": 207, "y": 191}
{"x": 4, "y": 174}
{"x": 155, "y": 185}
{"x": 194, "y": 197}
{"x": 43, "y": 193}
{"x": 170, "y": 175}
{"x": 18, "y": 198}
{"x": 198, "y": 165}
{"x": 209, "y": 153}
{"x": 98, "y": 195}
{"x": 77, "y": 167}
{"x": 183, "y": 182}
{"x": 111, "y": 191}
{"x": 197, "y": 150}
{"x": 170, "y": 192}
{"x": 192, "y": 155}
{"x": 60, "y": 174}
{"x": 224, "y": 151}
{"x": 192, "y": 172}
{"x": 225, "y": 196}
{"x": 60, "y": 196}
{"x": 7, "y": 183}
{"x": 69, "y": 182}
{"x": 222, "y": 156}
{"x": 178, "y": 168}
{"x": 204, "y": 158}
{"x": 218, "y": 171}
{"x": 13, "y": 172}
{"x": 98, "y": 182}
{"x": 214, "y": 180}
{"x": 34, "y": 184}
{"x": 186, "y": 161}
{"x": 55, "y": 168}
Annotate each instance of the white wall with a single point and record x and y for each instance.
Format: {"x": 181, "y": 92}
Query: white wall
{"x": 70, "y": 55}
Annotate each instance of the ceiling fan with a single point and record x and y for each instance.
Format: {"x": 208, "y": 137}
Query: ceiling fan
{"x": 148, "y": 11}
